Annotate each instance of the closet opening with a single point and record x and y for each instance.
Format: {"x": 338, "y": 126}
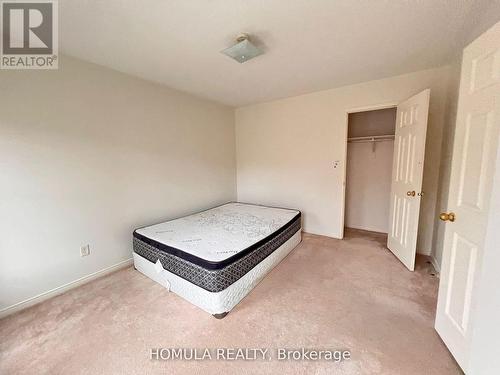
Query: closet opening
{"x": 370, "y": 148}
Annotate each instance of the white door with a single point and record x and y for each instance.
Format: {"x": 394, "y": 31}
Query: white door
{"x": 474, "y": 151}
{"x": 407, "y": 170}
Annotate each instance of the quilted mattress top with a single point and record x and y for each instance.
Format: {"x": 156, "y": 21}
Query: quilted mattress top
{"x": 221, "y": 232}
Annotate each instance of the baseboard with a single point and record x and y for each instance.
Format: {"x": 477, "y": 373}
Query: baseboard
{"x": 423, "y": 252}
{"x": 337, "y": 237}
{"x": 63, "y": 288}
{"x": 366, "y": 229}
{"x": 435, "y": 265}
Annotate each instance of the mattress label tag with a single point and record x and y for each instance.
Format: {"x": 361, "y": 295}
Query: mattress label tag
{"x": 158, "y": 266}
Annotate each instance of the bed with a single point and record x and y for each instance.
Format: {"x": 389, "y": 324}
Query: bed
{"x": 214, "y": 258}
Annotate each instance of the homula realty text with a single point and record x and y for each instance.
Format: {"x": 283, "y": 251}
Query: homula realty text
{"x": 248, "y": 354}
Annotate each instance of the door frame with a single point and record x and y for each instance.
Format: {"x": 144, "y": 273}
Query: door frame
{"x": 368, "y": 108}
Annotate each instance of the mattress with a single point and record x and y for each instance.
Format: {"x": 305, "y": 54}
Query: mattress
{"x": 216, "y": 303}
{"x": 215, "y": 248}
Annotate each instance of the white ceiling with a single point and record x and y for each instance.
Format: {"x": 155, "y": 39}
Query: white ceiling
{"x": 310, "y": 44}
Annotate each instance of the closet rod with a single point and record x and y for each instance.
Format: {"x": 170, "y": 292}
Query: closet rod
{"x": 374, "y": 138}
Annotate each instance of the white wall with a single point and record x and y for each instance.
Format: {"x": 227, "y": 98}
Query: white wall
{"x": 368, "y": 123}
{"x": 286, "y": 148}
{"x": 368, "y": 186}
{"x": 88, "y": 154}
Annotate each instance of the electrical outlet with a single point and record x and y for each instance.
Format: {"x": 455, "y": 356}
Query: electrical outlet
{"x": 85, "y": 251}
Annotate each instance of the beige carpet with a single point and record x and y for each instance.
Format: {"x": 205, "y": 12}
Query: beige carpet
{"x": 327, "y": 294}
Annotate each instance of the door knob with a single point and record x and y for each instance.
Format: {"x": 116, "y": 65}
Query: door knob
{"x": 447, "y": 216}
{"x": 411, "y": 193}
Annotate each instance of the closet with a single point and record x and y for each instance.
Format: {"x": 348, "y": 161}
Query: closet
{"x": 370, "y": 147}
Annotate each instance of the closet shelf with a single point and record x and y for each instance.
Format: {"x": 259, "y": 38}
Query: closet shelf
{"x": 372, "y": 138}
